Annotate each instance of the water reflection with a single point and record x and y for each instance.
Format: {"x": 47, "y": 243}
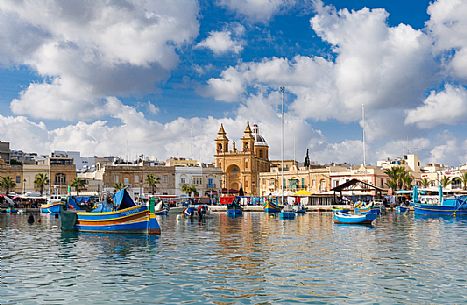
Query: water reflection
{"x": 250, "y": 259}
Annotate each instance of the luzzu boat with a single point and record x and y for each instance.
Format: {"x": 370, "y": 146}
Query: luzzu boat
{"x": 271, "y": 207}
{"x": 127, "y": 218}
{"x": 347, "y": 218}
{"x": 401, "y": 209}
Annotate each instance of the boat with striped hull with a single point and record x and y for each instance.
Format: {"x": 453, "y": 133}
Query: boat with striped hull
{"x": 127, "y": 218}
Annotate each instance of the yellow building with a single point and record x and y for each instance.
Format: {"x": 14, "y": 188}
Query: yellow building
{"x": 241, "y": 167}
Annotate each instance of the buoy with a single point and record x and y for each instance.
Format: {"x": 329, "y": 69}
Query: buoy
{"x": 31, "y": 219}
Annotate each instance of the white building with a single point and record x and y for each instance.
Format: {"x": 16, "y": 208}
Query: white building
{"x": 205, "y": 177}
{"x": 82, "y": 163}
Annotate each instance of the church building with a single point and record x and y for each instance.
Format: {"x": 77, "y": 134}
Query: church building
{"x": 241, "y": 167}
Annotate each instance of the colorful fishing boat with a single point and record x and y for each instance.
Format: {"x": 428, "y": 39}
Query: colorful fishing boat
{"x": 234, "y": 209}
{"x": 270, "y": 207}
{"x": 121, "y": 216}
{"x": 347, "y": 218}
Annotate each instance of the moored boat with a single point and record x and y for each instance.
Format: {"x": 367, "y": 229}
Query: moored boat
{"x": 401, "y": 209}
{"x": 126, "y": 218}
{"x": 234, "y": 209}
{"x": 271, "y": 208}
{"x": 456, "y": 206}
{"x": 347, "y": 218}
{"x": 287, "y": 213}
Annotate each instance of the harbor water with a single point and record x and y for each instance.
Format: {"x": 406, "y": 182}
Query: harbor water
{"x": 253, "y": 259}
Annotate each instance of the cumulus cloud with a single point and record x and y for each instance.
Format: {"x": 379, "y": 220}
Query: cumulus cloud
{"x": 369, "y": 58}
{"x": 257, "y": 10}
{"x": 448, "y": 27}
{"x": 92, "y": 50}
{"x": 221, "y": 42}
{"x": 446, "y": 107}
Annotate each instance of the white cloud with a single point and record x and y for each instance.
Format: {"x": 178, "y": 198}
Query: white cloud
{"x": 152, "y": 108}
{"x": 397, "y": 148}
{"x": 92, "y": 50}
{"x": 24, "y": 134}
{"x": 221, "y": 42}
{"x": 449, "y": 150}
{"x": 448, "y": 27}
{"x": 367, "y": 69}
{"x": 446, "y": 107}
{"x": 257, "y": 10}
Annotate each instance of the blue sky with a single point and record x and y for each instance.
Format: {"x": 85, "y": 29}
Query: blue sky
{"x": 162, "y": 76}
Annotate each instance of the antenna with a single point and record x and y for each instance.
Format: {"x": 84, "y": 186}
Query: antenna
{"x": 363, "y": 135}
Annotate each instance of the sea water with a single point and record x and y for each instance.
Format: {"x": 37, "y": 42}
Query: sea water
{"x": 252, "y": 259}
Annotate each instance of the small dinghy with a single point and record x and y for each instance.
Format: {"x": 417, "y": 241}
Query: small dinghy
{"x": 347, "y": 218}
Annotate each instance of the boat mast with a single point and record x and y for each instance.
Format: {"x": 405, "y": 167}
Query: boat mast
{"x": 282, "y": 89}
{"x": 363, "y": 135}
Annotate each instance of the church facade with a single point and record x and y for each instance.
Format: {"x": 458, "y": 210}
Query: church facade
{"x": 241, "y": 167}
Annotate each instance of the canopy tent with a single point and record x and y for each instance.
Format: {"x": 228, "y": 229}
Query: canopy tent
{"x": 355, "y": 185}
{"x": 302, "y": 193}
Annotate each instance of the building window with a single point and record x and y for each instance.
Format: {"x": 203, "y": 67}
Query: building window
{"x": 260, "y": 153}
{"x": 303, "y": 182}
{"x": 183, "y": 180}
{"x": 117, "y": 178}
{"x": 18, "y": 179}
{"x": 210, "y": 182}
{"x": 60, "y": 179}
{"x": 125, "y": 181}
{"x": 197, "y": 180}
{"x": 165, "y": 179}
{"x": 136, "y": 179}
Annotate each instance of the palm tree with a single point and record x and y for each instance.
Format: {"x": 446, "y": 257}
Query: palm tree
{"x": 425, "y": 182}
{"x": 78, "y": 183}
{"x": 464, "y": 180}
{"x": 407, "y": 179}
{"x": 188, "y": 189}
{"x": 397, "y": 177}
{"x": 445, "y": 181}
{"x": 119, "y": 186}
{"x": 7, "y": 183}
{"x": 40, "y": 181}
{"x": 153, "y": 181}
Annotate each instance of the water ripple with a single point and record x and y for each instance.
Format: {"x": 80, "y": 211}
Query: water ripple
{"x": 254, "y": 259}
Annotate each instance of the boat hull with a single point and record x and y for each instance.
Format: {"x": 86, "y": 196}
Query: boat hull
{"x": 436, "y": 210}
{"x": 53, "y": 208}
{"x": 401, "y": 209}
{"x": 366, "y": 219}
{"x": 133, "y": 220}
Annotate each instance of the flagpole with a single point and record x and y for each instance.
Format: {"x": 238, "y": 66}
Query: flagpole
{"x": 282, "y": 89}
{"x": 363, "y": 135}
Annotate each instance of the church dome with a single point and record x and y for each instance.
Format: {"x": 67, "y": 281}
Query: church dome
{"x": 259, "y": 140}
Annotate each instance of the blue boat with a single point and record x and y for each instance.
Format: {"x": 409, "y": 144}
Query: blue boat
{"x": 121, "y": 216}
{"x": 52, "y": 208}
{"x": 234, "y": 209}
{"x": 347, "y": 218}
{"x": 401, "y": 209}
{"x": 456, "y": 206}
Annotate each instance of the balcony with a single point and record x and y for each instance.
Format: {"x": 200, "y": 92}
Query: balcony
{"x": 211, "y": 186}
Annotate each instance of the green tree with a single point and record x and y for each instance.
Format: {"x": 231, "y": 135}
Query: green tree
{"x": 119, "y": 186}
{"x": 425, "y": 182}
{"x": 40, "y": 181}
{"x": 407, "y": 180}
{"x": 189, "y": 189}
{"x": 464, "y": 180}
{"x": 398, "y": 177}
{"x": 7, "y": 184}
{"x": 445, "y": 181}
{"x": 78, "y": 183}
{"x": 153, "y": 181}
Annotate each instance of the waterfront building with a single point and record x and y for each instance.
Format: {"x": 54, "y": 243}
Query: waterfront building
{"x": 205, "y": 177}
{"x": 22, "y": 157}
{"x": 241, "y": 167}
{"x": 134, "y": 176}
{"x": 15, "y": 172}
{"x": 82, "y": 163}
{"x": 373, "y": 175}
